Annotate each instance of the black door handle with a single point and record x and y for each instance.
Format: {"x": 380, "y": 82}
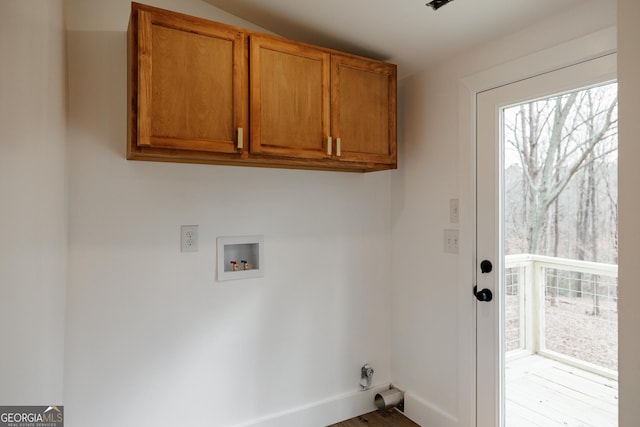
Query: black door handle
{"x": 484, "y": 295}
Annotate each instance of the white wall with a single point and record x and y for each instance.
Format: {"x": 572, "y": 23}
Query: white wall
{"x": 32, "y": 202}
{"x": 152, "y": 338}
{"x": 433, "y": 343}
{"x": 629, "y": 209}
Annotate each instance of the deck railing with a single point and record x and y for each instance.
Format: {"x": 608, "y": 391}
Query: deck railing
{"x": 563, "y": 309}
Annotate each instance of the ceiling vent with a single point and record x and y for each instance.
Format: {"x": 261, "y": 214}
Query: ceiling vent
{"x": 437, "y": 4}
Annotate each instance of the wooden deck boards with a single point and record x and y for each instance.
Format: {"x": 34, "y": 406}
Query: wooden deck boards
{"x": 543, "y": 393}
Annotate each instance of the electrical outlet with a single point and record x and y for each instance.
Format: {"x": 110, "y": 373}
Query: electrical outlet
{"x": 189, "y": 238}
{"x": 454, "y": 216}
{"x": 451, "y": 241}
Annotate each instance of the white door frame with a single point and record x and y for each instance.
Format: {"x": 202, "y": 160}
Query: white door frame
{"x": 570, "y": 53}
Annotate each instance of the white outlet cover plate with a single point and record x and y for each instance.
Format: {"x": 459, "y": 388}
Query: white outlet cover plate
{"x": 451, "y": 241}
{"x": 188, "y": 238}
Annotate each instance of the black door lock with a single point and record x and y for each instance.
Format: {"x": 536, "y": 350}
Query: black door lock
{"x": 486, "y": 266}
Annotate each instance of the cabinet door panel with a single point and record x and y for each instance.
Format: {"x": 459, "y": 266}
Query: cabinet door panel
{"x": 363, "y": 112}
{"x": 192, "y": 84}
{"x": 289, "y": 99}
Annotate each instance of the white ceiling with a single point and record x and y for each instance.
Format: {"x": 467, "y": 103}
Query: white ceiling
{"x": 405, "y": 32}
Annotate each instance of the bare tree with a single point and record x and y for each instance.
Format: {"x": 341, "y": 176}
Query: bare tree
{"x": 554, "y": 139}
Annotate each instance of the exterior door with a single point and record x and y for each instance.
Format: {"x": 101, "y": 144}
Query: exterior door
{"x": 497, "y": 168}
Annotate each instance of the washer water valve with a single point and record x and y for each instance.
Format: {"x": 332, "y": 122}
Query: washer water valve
{"x": 366, "y": 376}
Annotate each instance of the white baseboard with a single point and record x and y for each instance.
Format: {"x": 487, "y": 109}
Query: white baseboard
{"x": 426, "y": 414}
{"x": 322, "y": 413}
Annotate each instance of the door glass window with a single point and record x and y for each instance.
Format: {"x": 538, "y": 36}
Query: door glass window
{"x": 560, "y": 234}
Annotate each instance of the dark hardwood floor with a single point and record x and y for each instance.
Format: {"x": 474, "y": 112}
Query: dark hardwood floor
{"x": 391, "y": 418}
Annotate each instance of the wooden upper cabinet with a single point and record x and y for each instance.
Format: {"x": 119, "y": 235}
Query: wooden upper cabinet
{"x": 289, "y": 98}
{"x": 188, "y": 84}
{"x": 363, "y": 110}
{"x": 201, "y": 91}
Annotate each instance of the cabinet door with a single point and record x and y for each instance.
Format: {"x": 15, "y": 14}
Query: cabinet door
{"x": 191, "y": 83}
{"x": 289, "y": 99}
{"x": 363, "y": 110}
